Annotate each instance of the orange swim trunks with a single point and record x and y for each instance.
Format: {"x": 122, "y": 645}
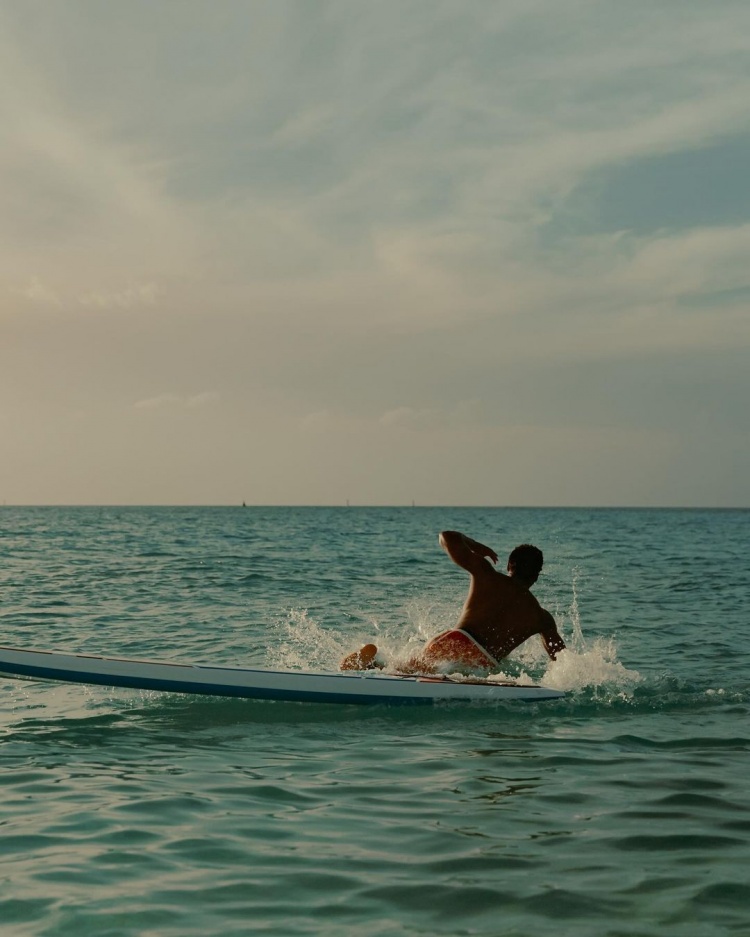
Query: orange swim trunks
{"x": 457, "y": 647}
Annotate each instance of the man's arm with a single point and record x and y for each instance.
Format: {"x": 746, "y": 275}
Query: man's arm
{"x": 467, "y": 553}
{"x": 550, "y": 636}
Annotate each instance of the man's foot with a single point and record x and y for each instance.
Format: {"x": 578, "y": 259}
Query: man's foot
{"x": 363, "y": 659}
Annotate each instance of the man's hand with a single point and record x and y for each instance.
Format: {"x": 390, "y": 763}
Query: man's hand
{"x": 550, "y": 636}
{"x": 481, "y": 549}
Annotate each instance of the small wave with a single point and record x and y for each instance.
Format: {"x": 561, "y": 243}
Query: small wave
{"x": 665, "y": 692}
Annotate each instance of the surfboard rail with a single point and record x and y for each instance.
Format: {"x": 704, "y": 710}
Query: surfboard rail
{"x": 370, "y": 687}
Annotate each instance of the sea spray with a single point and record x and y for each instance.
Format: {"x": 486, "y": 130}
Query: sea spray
{"x": 582, "y": 666}
{"x": 301, "y": 643}
{"x": 595, "y": 666}
{"x": 306, "y": 644}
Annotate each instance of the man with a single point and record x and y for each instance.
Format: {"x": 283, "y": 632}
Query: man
{"x": 499, "y": 613}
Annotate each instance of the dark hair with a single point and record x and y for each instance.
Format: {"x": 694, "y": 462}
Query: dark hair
{"x": 526, "y": 561}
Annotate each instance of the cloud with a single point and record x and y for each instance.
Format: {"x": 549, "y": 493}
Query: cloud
{"x": 370, "y": 214}
{"x": 157, "y": 403}
{"x": 409, "y": 418}
{"x": 426, "y": 182}
{"x": 463, "y": 414}
{"x": 141, "y": 294}
{"x": 38, "y": 294}
{"x": 205, "y": 399}
{"x": 320, "y": 421}
{"x": 178, "y": 401}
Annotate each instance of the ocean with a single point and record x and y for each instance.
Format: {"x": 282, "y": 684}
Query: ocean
{"x": 618, "y": 811}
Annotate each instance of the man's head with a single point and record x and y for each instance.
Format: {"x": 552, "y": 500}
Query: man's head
{"x": 525, "y": 562}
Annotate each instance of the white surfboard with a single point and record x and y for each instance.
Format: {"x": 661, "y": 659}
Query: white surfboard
{"x": 259, "y": 683}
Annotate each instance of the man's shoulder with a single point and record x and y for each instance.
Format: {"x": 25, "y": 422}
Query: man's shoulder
{"x": 487, "y": 574}
{"x": 493, "y": 579}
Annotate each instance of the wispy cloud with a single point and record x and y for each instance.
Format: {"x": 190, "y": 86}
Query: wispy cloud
{"x": 141, "y": 294}
{"x": 369, "y": 214}
{"x": 38, "y": 294}
{"x": 178, "y": 401}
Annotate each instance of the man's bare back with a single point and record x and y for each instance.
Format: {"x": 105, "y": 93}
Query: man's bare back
{"x": 499, "y": 613}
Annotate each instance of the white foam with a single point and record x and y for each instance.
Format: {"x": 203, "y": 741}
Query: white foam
{"x": 596, "y": 666}
{"x": 303, "y": 643}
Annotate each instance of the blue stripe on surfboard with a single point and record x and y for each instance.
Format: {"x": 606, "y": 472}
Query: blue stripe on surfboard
{"x": 228, "y": 668}
{"x": 205, "y": 689}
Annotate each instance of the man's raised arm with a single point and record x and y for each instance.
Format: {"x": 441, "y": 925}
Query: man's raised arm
{"x": 467, "y": 553}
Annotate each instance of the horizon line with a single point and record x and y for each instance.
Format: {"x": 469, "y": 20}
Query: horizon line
{"x": 390, "y": 506}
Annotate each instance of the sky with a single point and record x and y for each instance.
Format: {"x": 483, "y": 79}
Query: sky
{"x": 450, "y": 252}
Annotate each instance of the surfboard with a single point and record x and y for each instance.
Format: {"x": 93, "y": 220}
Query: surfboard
{"x": 259, "y": 683}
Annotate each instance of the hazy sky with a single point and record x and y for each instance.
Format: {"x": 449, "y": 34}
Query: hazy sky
{"x": 454, "y": 251}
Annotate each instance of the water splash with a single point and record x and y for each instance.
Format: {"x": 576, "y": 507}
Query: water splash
{"x": 399, "y": 637}
{"x": 583, "y": 666}
{"x": 595, "y": 666}
{"x": 302, "y": 644}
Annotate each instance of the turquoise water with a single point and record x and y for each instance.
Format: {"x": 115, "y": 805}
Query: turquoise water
{"x": 619, "y": 810}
